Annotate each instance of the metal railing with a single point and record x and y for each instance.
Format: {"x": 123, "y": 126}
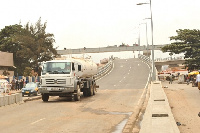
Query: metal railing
{"x": 170, "y": 58}
{"x": 102, "y": 71}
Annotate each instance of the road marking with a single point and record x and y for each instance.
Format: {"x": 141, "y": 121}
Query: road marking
{"x": 37, "y": 121}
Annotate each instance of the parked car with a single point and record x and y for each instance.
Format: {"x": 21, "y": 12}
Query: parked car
{"x": 5, "y": 86}
{"x": 30, "y": 88}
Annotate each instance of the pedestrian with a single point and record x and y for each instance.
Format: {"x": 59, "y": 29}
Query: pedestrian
{"x": 170, "y": 78}
{"x": 187, "y": 79}
{"x": 17, "y": 84}
{"x": 198, "y": 80}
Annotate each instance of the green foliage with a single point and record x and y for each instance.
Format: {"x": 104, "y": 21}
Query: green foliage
{"x": 29, "y": 44}
{"x": 27, "y": 71}
{"x": 187, "y": 42}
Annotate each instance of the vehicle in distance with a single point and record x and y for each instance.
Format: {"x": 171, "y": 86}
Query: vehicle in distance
{"x": 30, "y": 88}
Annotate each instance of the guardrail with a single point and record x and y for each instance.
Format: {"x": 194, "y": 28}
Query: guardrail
{"x": 105, "y": 69}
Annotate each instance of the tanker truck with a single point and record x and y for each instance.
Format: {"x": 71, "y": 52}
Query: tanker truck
{"x": 68, "y": 77}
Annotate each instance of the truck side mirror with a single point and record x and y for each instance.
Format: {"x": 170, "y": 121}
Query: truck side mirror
{"x": 79, "y": 67}
{"x": 73, "y": 68}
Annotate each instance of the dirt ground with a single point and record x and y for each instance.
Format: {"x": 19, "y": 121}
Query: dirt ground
{"x": 184, "y": 101}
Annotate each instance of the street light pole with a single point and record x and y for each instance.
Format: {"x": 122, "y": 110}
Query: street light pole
{"x": 153, "y": 63}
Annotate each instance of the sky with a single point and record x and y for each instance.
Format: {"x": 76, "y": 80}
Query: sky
{"x": 102, "y": 23}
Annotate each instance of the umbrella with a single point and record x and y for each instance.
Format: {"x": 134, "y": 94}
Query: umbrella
{"x": 193, "y": 73}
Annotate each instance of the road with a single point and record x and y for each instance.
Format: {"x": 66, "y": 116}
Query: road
{"x": 107, "y": 111}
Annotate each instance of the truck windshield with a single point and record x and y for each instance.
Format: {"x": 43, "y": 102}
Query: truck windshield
{"x": 57, "y": 68}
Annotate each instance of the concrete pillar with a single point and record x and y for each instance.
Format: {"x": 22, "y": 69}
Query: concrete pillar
{"x": 147, "y": 53}
{"x": 159, "y": 68}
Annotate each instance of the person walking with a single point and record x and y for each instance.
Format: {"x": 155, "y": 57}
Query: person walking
{"x": 170, "y": 78}
{"x": 187, "y": 79}
{"x": 198, "y": 80}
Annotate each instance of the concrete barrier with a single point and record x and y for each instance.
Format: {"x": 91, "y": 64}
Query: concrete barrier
{"x": 6, "y": 100}
{"x": 17, "y": 97}
{"x": 10, "y": 99}
{"x": 2, "y": 101}
{"x": 158, "y": 117}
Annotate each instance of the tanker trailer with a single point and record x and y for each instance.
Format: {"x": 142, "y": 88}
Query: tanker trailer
{"x": 68, "y": 77}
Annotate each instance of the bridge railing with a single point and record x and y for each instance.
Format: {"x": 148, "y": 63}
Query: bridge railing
{"x": 105, "y": 69}
{"x": 170, "y": 58}
{"x": 145, "y": 59}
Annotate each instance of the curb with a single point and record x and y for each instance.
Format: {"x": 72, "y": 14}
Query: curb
{"x": 32, "y": 98}
{"x": 158, "y": 116}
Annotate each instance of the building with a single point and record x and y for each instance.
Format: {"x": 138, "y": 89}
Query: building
{"x": 6, "y": 62}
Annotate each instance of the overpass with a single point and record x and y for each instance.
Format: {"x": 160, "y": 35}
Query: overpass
{"x": 109, "y": 49}
{"x": 172, "y": 62}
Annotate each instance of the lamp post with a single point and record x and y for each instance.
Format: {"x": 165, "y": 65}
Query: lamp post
{"x": 153, "y": 63}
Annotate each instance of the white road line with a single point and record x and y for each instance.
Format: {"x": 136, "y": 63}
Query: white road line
{"x": 37, "y": 121}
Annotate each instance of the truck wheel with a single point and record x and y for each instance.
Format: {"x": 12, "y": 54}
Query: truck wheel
{"x": 45, "y": 97}
{"x": 91, "y": 90}
{"x": 94, "y": 89}
{"x": 85, "y": 92}
{"x": 77, "y": 96}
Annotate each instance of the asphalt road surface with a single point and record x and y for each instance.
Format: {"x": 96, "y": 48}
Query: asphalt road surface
{"x": 105, "y": 112}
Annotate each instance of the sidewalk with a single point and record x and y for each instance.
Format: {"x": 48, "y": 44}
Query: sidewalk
{"x": 184, "y": 101}
{"x": 158, "y": 117}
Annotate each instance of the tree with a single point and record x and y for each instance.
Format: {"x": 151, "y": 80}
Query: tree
{"x": 27, "y": 71}
{"x": 9, "y": 44}
{"x": 187, "y": 42}
{"x": 29, "y": 44}
{"x": 37, "y": 44}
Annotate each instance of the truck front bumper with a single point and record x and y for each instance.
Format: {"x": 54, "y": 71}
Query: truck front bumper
{"x": 56, "y": 90}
